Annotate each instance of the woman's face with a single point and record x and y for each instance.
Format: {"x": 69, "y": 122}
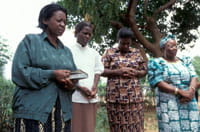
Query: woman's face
{"x": 124, "y": 44}
{"x": 170, "y": 48}
{"x": 56, "y": 24}
{"x": 84, "y": 36}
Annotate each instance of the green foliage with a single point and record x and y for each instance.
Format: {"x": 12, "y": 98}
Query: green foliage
{"x": 102, "y": 120}
{"x": 101, "y": 88}
{"x": 6, "y": 93}
{"x": 185, "y": 17}
{"x": 4, "y": 54}
{"x": 196, "y": 64}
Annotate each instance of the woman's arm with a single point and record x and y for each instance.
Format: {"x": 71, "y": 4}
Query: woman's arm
{"x": 186, "y": 95}
{"x": 112, "y": 73}
{"x": 193, "y": 84}
{"x": 167, "y": 88}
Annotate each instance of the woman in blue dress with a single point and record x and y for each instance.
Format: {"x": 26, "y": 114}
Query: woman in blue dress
{"x": 175, "y": 82}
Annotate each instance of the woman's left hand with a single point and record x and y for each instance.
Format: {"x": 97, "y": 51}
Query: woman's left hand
{"x": 186, "y": 96}
{"x": 69, "y": 84}
{"x": 93, "y": 92}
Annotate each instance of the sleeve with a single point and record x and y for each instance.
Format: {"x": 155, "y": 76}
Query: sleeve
{"x": 189, "y": 65}
{"x": 106, "y": 59}
{"x": 155, "y": 73}
{"x": 23, "y": 74}
{"x": 98, "y": 64}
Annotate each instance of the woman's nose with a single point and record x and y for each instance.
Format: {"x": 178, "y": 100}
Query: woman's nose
{"x": 62, "y": 24}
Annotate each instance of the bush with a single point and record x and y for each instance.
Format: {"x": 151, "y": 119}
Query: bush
{"x": 102, "y": 120}
{"x": 6, "y": 93}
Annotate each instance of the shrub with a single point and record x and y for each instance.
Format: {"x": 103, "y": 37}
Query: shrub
{"x": 6, "y": 93}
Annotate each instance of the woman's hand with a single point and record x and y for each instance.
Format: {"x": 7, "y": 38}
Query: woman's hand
{"x": 128, "y": 72}
{"x": 186, "y": 95}
{"x": 60, "y": 75}
{"x": 62, "y": 78}
{"x": 88, "y": 93}
{"x": 93, "y": 92}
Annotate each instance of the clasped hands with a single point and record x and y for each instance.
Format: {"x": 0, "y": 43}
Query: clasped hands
{"x": 186, "y": 95}
{"x": 128, "y": 72}
{"x": 62, "y": 78}
{"x": 89, "y": 94}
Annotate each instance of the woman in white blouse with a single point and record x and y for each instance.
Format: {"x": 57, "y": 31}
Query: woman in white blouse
{"x": 85, "y": 97}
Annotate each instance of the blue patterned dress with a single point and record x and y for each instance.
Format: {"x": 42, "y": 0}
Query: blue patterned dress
{"x": 172, "y": 115}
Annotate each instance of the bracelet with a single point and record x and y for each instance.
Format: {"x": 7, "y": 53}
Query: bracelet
{"x": 176, "y": 91}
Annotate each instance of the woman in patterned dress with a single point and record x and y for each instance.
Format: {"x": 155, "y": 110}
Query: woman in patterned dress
{"x": 175, "y": 81}
{"x": 123, "y": 67}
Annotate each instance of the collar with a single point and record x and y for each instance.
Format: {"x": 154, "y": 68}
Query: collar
{"x": 81, "y": 47}
{"x": 45, "y": 37}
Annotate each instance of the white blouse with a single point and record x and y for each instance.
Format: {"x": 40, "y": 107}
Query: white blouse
{"x": 88, "y": 60}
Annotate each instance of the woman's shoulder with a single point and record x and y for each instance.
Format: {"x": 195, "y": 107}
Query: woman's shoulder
{"x": 33, "y": 36}
{"x": 112, "y": 50}
{"x": 185, "y": 59}
{"x": 156, "y": 60}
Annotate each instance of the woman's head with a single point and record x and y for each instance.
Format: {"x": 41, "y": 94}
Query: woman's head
{"x": 168, "y": 46}
{"x": 53, "y": 17}
{"x": 83, "y": 32}
{"x": 124, "y": 37}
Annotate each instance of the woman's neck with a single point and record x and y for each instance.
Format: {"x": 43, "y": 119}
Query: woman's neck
{"x": 52, "y": 38}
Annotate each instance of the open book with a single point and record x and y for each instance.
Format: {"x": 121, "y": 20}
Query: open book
{"x": 78, "y": 74}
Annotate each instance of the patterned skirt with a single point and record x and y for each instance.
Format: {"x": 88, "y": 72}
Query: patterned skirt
{"x": 126, "y": 117}
{"x": 54, "y": 123}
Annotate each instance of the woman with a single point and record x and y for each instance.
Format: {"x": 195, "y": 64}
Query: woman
{"x": 175, "y": 81}
{"x": 123, "y": 67}
{"x": 85, "y": 97}
{"x": 40, "y": 70}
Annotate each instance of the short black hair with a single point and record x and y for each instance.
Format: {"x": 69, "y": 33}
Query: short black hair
{"x": 81, "y": 25}
{"x": 47, "y": 12}
{"x": 124, "y": 33}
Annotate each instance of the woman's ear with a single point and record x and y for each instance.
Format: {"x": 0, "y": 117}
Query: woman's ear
{"x": 45, "y": 22}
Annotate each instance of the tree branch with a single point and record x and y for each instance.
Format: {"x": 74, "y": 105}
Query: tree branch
{"x": 162, "y": 8}
{"x": 116, "y": 24}
{"x": 131, "y": 18}
{"x": 132, "y": 4}
{"x": 145, "y": 8}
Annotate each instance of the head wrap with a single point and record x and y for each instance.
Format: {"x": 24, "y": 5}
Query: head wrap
{"x": 164, "y": 40}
